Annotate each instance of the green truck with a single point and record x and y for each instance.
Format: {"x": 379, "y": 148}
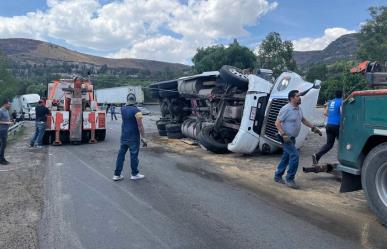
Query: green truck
{"x": 363, "y": 141}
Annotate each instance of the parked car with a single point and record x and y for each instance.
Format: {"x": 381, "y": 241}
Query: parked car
{"x": 228, "y": 110}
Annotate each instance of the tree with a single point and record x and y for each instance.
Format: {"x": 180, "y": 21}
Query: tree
{"x": 317, "y": 72}
{"x": 373, "y": 36}
{"x": 214, "y": 57}
{"x": 8, "y": 84}
{"x": 276, "y": 54}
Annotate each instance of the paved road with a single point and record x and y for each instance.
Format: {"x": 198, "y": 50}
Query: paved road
{"x": 182, "y": 203}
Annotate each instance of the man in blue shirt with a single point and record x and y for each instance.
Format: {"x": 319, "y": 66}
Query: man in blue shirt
{"x": 40, "y": 124}
{"x": 288, "y": 124}
{"x": 132, "y": 130}
{"x": 5, "y": 122}
{"x": 333, "y": 111}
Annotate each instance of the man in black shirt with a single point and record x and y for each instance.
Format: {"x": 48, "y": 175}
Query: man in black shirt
{"x": 40, "y": 124}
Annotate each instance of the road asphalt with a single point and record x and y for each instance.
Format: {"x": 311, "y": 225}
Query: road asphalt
{"x": 181, "y": 203}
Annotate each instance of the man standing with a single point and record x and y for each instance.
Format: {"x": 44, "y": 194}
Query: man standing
{"x": 40, "y": 124}
{"x": 333, "y": 111}
{"x": 113, "y": 111}
{"x": 131, "y": 130}
{"x": 288, "y": 124}
{"x": 5, "y": 121}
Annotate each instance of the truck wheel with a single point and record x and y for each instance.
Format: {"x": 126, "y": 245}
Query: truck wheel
{"x": 175, "y": 135}
{"x": 234, "y": 76}
{"x": 100, "y": 135}
{"x": 173, "y": 128}
{"x": 46, "y": 138}
{"x": 161, "y": 125}
{"x": 163, "y": 133}
{"x": 374, "y": 181}
{"x": 212, "y": 141}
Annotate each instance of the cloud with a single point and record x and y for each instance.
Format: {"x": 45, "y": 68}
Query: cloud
{"x": 166, "y": 30}
{"x": 319, "y": 43}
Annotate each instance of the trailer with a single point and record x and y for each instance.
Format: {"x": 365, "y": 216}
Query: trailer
{"x": 25, "y": 104}
{"x": 117, "y": 95}
{"x": 75, "y": 116}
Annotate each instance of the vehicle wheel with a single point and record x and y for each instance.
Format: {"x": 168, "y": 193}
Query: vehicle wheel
{"x": 173, "y": 128}
{"x": 234, "y": 76}
{"x": 46, "y": 138}
{"x": 175, "y": 135}
{"x": 64, "y": 137}
{"x": 161, "y": 125}
{"x": 100, "y": 135}
{"x": 86, "y": 136}
{"x": 163, "y": 133}
{"x": 374, "y": 181}
{"x": 212, "y": 141}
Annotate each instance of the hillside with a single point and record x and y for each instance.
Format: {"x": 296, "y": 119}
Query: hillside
{"x": 344, "y": 47}
{"x": 34, "y": 52}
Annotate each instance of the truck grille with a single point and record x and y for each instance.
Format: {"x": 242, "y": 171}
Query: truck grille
{"x": 270, "y": 129}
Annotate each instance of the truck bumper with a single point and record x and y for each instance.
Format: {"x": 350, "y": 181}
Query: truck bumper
{"x": 349, "y": 170}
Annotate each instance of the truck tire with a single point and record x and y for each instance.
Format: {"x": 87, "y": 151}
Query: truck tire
{"x": 163, "y": 133}
{"x": 161, "y": 125}
{"x": 211, "y": 141}
{"x": 175, "y": 135}
{"x": 234, "y": 76}
{"x": 173, "y": 128}
{"x": 374, "y": 181}
{"x": 100, "y": 135}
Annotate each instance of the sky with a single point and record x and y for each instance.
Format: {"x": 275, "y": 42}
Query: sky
{"x": 172, "y": 30}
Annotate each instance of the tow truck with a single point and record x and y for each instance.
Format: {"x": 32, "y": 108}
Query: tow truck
{"x": 75, "y": 116}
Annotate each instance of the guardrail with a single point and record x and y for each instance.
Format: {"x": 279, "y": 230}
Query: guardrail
{"x": 15, "y": 128}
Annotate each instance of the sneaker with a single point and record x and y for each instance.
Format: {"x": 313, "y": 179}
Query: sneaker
{"x": 39, "y": 147}
{"x": 137, "y": 177}
{"x": 4, "y": 162}
{"x": 117, "y": 178}
{"x": 279, "y": 180}
{"x": 314, "y": 159}
{"x": 31, "y": 145}
{"x": 292, "y": 184}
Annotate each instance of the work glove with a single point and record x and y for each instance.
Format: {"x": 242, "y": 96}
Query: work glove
{"x": 316, "y": 130}
{"x": 144, "y": 143}
{"x": 286, "y": 138}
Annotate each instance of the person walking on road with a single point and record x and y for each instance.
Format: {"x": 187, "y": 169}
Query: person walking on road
{"x": 40, "y": 124}
{"x": 333, "y": 112}
{"x": 132, "y": 130}
{"x": 113, "y": 111}
{"x": 5, "y": 122}
{"x": 288, "y": 124}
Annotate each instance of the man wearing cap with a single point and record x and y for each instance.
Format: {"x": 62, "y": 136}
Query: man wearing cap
{"x": 132, "y": 130}
{"x": 40, "y": 124}
{"x": 5, "y": 122}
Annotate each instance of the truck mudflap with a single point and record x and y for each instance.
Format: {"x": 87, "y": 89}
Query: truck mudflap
{"x": 350, "y": 182}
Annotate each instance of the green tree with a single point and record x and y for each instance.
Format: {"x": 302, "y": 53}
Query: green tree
{"x": 214, "y": 57}
{"x": 276, "y": 54}
{"x": 373, "y": 36}
{"x": 317, "y": 72}
{"x": 8, "y": 84}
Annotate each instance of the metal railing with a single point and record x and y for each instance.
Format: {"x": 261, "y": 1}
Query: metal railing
{"x": 15, "y": 128}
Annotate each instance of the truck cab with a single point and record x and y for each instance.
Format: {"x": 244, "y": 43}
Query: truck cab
{"x": 363, "y": 143}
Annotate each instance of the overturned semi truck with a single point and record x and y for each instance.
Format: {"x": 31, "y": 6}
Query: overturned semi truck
{"x": 230, "y": 111}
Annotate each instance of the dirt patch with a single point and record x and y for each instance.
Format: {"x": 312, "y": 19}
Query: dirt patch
{"x": 21, "y": 184}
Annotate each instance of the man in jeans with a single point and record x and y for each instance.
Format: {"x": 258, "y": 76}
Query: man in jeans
{"x": 333, "y": 111}
{"x": 288, "y": 124}
{"x": 131, "y": 130}
{"x": 40, "y": 124}
{"x": 5, "y": 122}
